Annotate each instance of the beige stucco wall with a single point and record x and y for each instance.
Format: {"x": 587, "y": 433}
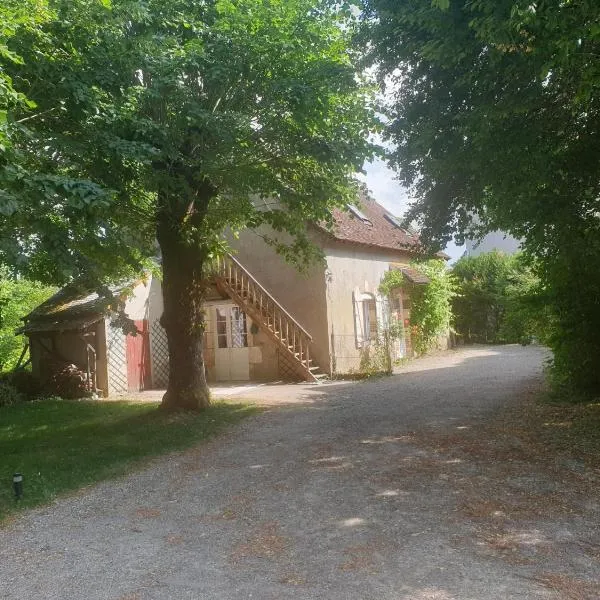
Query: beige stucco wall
{"x": 350, "y": 268}
{"x": 138, "y": 303}
{"x": 302, "y": 295}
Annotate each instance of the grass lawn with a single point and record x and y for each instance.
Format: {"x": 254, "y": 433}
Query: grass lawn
{"x": 61, "y": 445}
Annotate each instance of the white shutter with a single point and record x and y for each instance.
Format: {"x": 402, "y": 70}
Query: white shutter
{"x": 358, "y": 320}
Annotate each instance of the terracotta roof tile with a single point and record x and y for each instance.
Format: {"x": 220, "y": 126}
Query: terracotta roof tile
{"x": 378, "y": 232}
{"x": 414, "y": 276}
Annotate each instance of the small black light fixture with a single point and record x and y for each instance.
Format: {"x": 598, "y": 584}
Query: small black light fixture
{"x": 18, "y": 485}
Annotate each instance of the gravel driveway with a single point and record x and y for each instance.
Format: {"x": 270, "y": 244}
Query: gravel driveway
{"x": 346, "y": 491}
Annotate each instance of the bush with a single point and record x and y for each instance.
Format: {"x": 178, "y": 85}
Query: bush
{"x": 25, "y": 382}
{"x": 18, "y": 297}
{"x": 431, "y": 313}
{"x": 500, "y": 299}
{"x": 9, "y": 394}
{"x": 572, "y": 276}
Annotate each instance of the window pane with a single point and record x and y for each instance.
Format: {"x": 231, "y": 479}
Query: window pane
{"x": 239, "y": 335}
{"x": 221, "y": 328}
{"x": 366, "y": 320}
{"x": 372, "y": 320}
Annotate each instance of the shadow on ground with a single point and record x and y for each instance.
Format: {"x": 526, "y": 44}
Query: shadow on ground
{"x": 419, "y": 486}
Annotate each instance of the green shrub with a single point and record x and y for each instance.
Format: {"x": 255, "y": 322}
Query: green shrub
{"x": 572, "y": 276}
{"x": 500, "y": 299}
{"x": 25, "y": 381}
{"x": 18, "y": 297}
{"x": 431, "y": 312}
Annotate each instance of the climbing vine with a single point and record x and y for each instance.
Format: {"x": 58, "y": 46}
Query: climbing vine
{"x": 431, "y": 311}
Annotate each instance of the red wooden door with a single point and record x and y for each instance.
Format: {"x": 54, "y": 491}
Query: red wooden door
{"x": 138, "y": 358}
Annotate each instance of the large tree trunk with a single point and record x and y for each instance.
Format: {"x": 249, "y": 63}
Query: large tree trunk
{"x": 183, "y": 266}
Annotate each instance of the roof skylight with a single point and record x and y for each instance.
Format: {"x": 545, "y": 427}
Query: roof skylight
{"x": 357, "y": 213}
{"x": 395, "y": 221}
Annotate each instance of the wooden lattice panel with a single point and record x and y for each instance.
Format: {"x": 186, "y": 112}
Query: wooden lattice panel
{"x": 288, "y": 369}
{"x": 116, "y": 360}
{"x": 159, "y": 350}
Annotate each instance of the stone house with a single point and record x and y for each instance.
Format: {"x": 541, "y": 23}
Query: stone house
{"x": 264, "y": 320}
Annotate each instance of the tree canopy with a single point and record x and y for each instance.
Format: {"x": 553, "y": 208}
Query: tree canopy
{"x": 495, "y": 114}
{"x": 494, "y": 111}
{"x": 173, "y": 121}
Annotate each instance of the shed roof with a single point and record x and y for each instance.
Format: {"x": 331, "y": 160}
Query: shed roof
{"x": 74, "y": 307}
{"x": 63, "y": 323}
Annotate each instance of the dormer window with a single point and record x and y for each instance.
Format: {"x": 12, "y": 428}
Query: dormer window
{"x": 358, "y": 214}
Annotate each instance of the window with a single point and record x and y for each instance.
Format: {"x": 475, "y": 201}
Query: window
{"x": 239, "y": 334}
{"x": 358, "y": 214}
{"x": 395, "y": 222}
{"x": 365, "y": 319}
{"x": 236, "y": 335}
{"x": 370, "y": 320}
{"x": 221, "y": 328}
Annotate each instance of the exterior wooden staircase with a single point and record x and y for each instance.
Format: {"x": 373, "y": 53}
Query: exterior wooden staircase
{"x": 292, "y": 339}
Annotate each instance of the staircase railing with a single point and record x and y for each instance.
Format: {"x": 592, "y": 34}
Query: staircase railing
{"x": 259, "y": 303}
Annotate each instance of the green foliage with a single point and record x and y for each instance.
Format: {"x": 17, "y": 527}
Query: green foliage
{"x": 431, "y": 309}
{"x": 200, "y": 115}
{"x": 496, "y": 115}
{"x": 573, "y": 330}
{"x": 391, "y": 280}
{"x": 18, "y": 297}
{"x": 16, "y": 16}
{"x": 377, "y": 358}
{"x": 499, "y": 299}
{"x": 103, "y": 440}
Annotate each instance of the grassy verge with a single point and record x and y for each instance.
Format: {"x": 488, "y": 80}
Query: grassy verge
{"x": 60, "y": 445}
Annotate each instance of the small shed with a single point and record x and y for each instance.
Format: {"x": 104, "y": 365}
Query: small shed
{"x": 80, "y": 327}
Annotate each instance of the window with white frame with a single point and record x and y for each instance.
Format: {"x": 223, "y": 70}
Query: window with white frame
{"x": 365, "y": 319}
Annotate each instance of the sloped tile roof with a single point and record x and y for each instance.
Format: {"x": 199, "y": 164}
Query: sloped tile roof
{"x": 72, "y": 307}
{"x": 378, "y": 232}
{"x": 414, "y": 276}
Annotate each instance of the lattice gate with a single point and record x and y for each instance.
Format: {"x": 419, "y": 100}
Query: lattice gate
{"x": 116, "y": 360}
{"x": 159, "y": 356}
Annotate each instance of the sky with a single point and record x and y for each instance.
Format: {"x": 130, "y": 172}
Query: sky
{"x": 391, "y": 195}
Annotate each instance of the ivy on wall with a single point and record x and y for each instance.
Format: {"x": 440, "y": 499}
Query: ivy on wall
{"x": 431, "y": 310}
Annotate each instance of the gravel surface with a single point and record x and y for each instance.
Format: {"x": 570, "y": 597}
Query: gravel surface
{"x": 393, "y": 489}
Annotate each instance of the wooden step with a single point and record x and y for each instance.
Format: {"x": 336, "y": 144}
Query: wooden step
{"x": 268, "y": 314}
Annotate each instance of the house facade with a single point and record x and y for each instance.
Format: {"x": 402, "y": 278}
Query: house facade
{"x": 265, "y": 321}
